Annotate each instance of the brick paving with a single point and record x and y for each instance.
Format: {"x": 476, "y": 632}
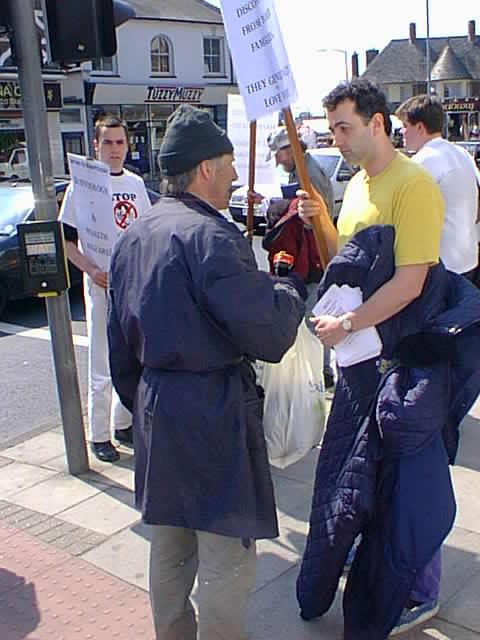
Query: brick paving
{"x": 63, "y": 535}
{"x": 49, "y": 594}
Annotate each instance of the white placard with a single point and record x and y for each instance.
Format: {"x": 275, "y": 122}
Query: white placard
{"x": 239, "y": 134}
{"x": 92, "y": 198}
{"x": 261, "y": 63}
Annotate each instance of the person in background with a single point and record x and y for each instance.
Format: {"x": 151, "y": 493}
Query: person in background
{"x": 296, "y": 238}
{"x": 130, "y": 201}
{"x": 456, "y": 174}
{"x": 189, "y": 311}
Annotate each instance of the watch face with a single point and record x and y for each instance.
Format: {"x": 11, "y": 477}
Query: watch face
{"x": 347, "y": 324}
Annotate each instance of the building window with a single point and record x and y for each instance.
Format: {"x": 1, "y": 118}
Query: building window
{"x": 452, "y": 90}
{"x": 70, "y": 116}
{"x": 405, "y": 92}
{"x": 161, "y": 55}
{"x": 105, "y": 65}
{"x": 213, "y": 59}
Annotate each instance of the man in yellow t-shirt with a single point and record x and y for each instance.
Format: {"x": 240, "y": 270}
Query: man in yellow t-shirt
{"x": 389, "y": 189}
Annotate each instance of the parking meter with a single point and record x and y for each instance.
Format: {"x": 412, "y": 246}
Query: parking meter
{"x": 44, "y": 261}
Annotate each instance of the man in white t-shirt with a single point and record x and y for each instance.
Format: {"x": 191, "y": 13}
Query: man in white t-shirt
{"x": 130, "y": 200}
{"x": 456, "y": 174}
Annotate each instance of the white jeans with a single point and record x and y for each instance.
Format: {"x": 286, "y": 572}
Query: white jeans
{"x": 105, "y": 411}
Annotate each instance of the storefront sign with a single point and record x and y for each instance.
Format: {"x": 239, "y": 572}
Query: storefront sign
{"x": 461, "y": 105}
{"x": 264, "y": 74}
{"x": 11, "y": 96}
{"x": 192, "y": 95}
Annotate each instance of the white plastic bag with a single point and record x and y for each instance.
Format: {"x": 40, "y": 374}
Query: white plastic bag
{"x": 294, "y": 410}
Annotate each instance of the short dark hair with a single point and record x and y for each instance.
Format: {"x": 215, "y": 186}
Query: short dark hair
{"x": 425, "y": 109}
{"x": 367, "y": 98}
{"x": 109, "y": 122}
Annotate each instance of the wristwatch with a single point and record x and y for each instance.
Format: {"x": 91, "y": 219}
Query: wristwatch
{"x": 346, "y": 323}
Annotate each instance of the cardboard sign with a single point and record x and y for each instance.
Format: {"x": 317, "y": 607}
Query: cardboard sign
{"x": 264, "y": 74}
{"x": 239, "y": 134}
{"x": 92, "y": 196}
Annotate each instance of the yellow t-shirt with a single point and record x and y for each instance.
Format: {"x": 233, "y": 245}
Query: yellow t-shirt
{"x": 403, "y": 195}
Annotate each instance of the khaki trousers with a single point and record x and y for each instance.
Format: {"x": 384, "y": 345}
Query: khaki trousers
{"x": 226, "y": 575}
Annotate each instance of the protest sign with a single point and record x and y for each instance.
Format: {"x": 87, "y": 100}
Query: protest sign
{"x": 261, "y": 63}
{"x": 239, "y": 134}
{"x": 92, "y": 198}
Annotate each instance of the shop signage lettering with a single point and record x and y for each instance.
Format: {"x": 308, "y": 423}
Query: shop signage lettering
{"x": 11, "y": 96}
{"x": 175, "y": 94}
{"x": 462, "y": 105}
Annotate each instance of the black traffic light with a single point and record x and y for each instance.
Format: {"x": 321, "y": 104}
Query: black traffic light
{"x": 4, "y": 13}
{"x": 80, "y": 30}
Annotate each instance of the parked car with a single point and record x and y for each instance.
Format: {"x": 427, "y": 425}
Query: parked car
{"x": 16, "y": 206}
{"x": 337, "y": 169}
{"x": 473, "y": 147}
{"x": 238, "y": 204}
{"x": 334, "y": 166}
{"x": 15, "y": 163}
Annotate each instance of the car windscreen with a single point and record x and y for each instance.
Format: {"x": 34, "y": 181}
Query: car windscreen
{"x": 15, "y": 205}
{"x": 328, "y": 163}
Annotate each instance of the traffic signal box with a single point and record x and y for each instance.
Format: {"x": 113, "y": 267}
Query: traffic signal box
{"x": 80, "y": 30}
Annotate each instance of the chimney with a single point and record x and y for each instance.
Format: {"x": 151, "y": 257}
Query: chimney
{"x": 413, "y": 33}
{"x": 371, "y": 54}
{"x": 471, "y": 30}
{"x": 355, "y": 65}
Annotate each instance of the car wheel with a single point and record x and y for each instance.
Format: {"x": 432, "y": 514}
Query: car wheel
{"x": 3, "y": 297}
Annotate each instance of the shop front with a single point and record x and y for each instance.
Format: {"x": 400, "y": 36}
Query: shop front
{"x": 13, "y": 157}
{"x": 145, "y": 110}
{"x": 462, "y": 118}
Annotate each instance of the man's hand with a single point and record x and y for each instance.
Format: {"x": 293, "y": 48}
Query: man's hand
{"x": 308, "y": 207}
{"x": 99, "y": 277}
{"x": 329, "y": 329}
{"x": 254, "y": 197}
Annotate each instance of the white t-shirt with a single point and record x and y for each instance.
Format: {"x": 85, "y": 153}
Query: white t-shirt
{"x": 457, "y": 176}
{"x": 130, "y": 201}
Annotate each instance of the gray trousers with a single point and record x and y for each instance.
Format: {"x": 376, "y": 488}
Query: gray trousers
{"x": 226, "y": 576}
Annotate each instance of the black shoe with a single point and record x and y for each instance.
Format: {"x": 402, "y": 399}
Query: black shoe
{"x": 105, "y": 451}
{"x": 329, "y": 379}
{"x": 125, "y": 436}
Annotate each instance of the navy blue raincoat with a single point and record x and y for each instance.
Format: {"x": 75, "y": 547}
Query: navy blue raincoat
{"x": 188, "y": 311}
{"x": 392, "y": 431}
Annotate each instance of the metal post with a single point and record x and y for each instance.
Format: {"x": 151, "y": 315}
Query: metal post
{"x": 429, "y": 71}
{"x": 346, "y": 65}
{"x": 40, "y": 161}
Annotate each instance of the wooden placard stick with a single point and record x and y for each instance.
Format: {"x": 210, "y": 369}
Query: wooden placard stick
{"x": 251, "y": 178}
{"x": 306, "y": 185}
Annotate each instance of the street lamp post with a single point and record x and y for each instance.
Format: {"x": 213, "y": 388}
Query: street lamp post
{"x": 345, "y": 54}
{"x": 429, "y": 71}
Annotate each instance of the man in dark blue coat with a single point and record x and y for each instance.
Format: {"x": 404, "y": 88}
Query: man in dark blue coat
{"x": 189, "y": 310}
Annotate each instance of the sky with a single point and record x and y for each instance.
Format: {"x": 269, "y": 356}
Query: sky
{"x": 356, "y": 25}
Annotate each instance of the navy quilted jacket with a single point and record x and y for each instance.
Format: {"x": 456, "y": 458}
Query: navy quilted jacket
{"x": 383, "y": 467}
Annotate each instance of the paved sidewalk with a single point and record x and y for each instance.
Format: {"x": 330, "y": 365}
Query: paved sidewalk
{"x": 73, "y": 553}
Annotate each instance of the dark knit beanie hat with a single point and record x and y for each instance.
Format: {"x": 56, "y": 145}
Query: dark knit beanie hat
{"x": 191, "y": 137}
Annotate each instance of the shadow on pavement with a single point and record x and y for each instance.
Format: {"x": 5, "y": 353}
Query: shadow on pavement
{"x": 18, "y": 606}
{"x": 469, "y": 449}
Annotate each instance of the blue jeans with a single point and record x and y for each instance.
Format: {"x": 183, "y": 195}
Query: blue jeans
{"x": 427, "y": 584}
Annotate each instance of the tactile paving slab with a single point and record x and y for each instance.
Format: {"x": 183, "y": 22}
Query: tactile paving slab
{"x": 47, "y": 594}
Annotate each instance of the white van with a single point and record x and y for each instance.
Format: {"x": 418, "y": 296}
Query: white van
{"x": 17, "y": 164}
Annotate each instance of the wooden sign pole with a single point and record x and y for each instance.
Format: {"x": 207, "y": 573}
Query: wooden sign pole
{"x": 251, "y": 178}
{"x": 306, "y": 185}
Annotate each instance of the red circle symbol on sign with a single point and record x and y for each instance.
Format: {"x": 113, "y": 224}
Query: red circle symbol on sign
{"x": 124, "y": 213}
